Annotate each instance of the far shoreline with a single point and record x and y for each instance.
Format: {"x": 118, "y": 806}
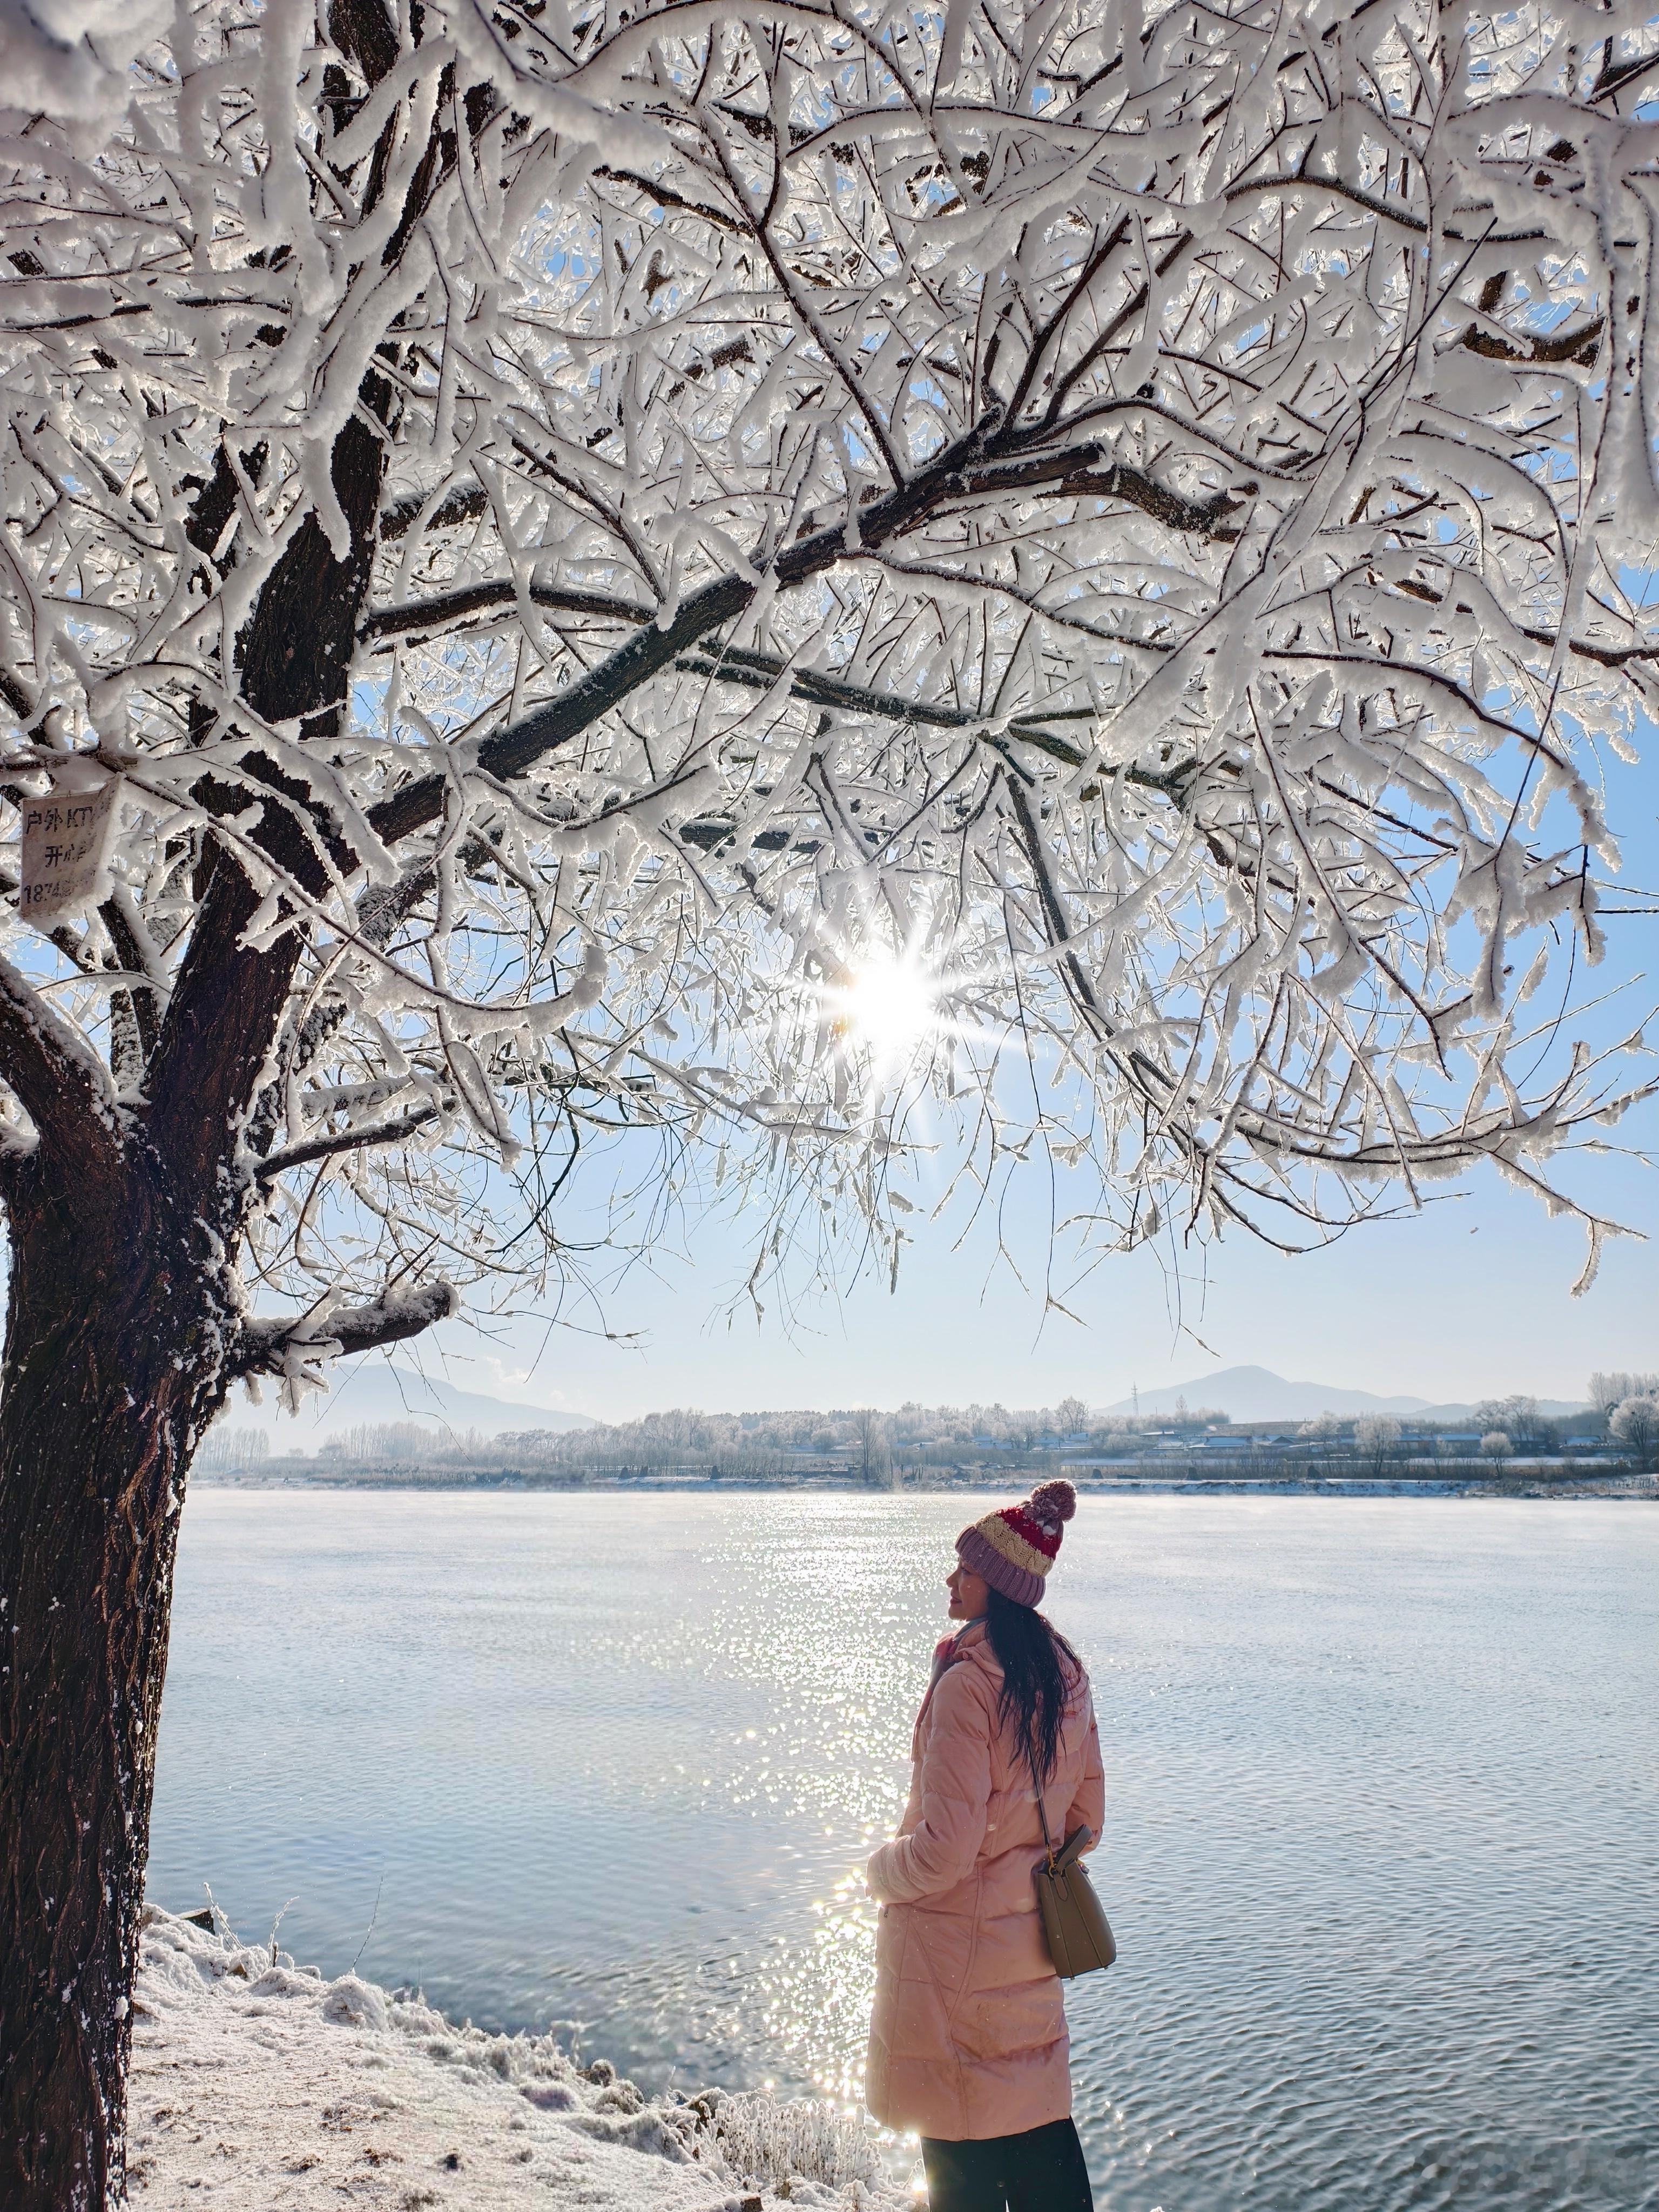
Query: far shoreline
{"x": 1628, "y": 1488}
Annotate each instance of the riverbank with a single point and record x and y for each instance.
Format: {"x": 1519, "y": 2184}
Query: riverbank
{"x": 256, "y": 2084}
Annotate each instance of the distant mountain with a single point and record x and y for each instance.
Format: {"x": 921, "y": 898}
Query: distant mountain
{"x": 1553, "y": 1409}
{"x": 1256, "y": 1393}
{"x": 375, "y": 1392}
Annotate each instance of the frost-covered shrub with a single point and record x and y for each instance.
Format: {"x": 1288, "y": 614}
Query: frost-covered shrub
{"x": 352, "y": 2003}
{"x": 767, "y": 2142}
{"x": 1496, "y": 1445}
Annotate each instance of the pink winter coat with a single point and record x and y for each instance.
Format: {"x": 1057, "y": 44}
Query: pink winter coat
{"x": 969, "y": 2034}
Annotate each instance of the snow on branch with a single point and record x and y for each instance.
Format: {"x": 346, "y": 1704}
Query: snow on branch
{"x": 60, "y": 1083}
{"x": 301, "y": 1350}
{"x": 1139, "y": 523}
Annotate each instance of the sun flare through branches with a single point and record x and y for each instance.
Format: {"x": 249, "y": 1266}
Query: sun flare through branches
{"x": 891, "y": 1008}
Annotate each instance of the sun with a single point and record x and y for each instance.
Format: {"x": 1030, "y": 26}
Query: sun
{"x": 890, "y": 1006}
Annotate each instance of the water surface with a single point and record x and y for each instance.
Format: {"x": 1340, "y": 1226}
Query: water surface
{"x": 1382, "y": 1822}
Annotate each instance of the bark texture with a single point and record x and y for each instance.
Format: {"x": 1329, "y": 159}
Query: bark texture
{"x": 100, "y": 1411}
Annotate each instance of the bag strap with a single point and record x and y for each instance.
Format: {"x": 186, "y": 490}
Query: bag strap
{"x": 1043, "y": 1814}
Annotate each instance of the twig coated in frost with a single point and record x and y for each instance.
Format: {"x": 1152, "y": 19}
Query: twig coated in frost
{"x": 369, "y": 1930}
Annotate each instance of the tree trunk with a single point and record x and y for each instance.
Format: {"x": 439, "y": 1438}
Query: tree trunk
{"x": 117, "y": 1326}
{"x": 111, "y": 1366}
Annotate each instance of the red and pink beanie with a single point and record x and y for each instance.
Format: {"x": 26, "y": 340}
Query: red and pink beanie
{"x": 1015, "y": 1547}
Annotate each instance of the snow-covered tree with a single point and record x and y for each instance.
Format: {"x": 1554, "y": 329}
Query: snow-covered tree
{"x": 568, "y": 563}
{"x": 1606, "y": 1391}
{"x": 1519, "y": 1419}
{"x": 872, "y": 1434}
{"x": 1376, "y": 1438}
{"x": 1634, "y": 1424}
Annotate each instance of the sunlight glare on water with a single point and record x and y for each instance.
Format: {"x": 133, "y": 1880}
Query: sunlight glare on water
{"x": 1381, "y": 1829}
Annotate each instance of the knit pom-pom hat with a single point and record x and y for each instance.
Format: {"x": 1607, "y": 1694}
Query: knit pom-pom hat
{"x": 1015, "y": 1547}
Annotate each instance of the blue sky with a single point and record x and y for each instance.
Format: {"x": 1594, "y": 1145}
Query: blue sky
{"x": 1472, "y": 1298}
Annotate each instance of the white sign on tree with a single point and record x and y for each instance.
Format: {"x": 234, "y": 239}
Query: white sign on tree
{"x": 66, "y": 836}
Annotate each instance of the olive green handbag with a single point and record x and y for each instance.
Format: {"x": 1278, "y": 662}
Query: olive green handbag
{"x": 1080, "y": 1938}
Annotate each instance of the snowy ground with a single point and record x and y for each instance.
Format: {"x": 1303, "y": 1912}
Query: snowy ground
{"x": 256, "y": 2084}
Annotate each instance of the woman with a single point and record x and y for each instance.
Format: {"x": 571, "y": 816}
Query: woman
{"x": 968, "y": 2043}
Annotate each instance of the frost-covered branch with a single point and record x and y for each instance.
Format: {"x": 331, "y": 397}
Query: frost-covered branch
{"x": 350, "y": 1140}
{"x": 584, "y": 539}
{"x": 286, "y": 1348}
{"x": 59, "y": 1082}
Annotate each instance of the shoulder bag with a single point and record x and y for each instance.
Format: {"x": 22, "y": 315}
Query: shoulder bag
{"x": 1080, "y": 1939}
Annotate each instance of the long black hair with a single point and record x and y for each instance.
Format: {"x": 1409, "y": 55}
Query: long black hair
{"x": 1039, "y": 1669}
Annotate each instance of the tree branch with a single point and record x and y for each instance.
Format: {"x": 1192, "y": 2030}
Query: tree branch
{"x": 60, "y": 1081}
{"x": 265, "y": 1348}
{"x": 977, "y": 466}
{"x": 665, "y": 196}
{"x": 440, "y": 608}
{"x": 758, "y": 672}
{"x": 464, "y": 504}
{"x": 346, "y": 1141}
{"x": 143, "y": 996}
{"x": 229, "y": 998}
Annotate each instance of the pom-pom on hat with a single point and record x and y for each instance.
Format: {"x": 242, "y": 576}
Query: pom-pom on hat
{"x": 1015, "y": 1547}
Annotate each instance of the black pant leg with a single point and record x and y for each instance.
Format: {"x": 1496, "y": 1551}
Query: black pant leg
{"x": 965, "y": 2177}
{"x": 1046, "y": 2172}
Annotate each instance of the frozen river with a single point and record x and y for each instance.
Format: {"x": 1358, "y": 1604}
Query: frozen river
{"x": 1383, "y": 1847}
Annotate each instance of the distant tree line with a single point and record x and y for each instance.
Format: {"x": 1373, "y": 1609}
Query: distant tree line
{"x": 755, "y": 1445}
{"x": 883, "y": 1449}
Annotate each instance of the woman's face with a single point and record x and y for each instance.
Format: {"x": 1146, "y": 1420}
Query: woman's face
{"x": 969, "y": 1593}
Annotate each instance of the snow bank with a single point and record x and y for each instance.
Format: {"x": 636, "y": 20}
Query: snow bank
{"x": 257, "y": 2084}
